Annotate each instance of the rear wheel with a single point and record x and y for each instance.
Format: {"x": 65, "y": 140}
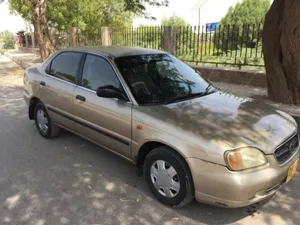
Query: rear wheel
{"x": 43, "y": 122}
{"x": 169, "y": 177}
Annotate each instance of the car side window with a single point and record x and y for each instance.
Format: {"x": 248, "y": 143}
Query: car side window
{"x": 65, "y": 66}
{"x": 97, "y": 72}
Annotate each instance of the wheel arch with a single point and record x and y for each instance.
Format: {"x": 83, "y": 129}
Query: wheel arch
{"x": 149, "y": 146}
{"x": 32, "y": 103}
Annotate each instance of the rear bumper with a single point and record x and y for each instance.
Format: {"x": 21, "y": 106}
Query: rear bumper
{"x": 216, "y": 185}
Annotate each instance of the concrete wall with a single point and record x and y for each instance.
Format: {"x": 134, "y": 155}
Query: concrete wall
{"x": 233, "y": 76}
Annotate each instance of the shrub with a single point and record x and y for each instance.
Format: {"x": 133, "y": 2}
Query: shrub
{"x": 7, "y": 39}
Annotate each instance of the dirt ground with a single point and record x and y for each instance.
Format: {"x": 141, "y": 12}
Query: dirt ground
{"x": 70, "y": 181}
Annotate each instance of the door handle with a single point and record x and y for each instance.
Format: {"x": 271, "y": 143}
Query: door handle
{"x": 80, "y": 98}
{"x": 42, "y": 83}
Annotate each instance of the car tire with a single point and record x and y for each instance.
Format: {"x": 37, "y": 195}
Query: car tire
{"x": 167, "y": 158}
{"x": 43, "y": 122}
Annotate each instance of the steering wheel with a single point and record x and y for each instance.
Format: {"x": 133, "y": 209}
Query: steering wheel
{"x": 137, "y": 85}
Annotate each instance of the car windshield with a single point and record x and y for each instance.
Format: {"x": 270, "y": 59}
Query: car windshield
{"x": 161, "y": 79}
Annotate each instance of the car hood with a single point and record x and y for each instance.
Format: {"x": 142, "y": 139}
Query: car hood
{"x": 224, "y": 117}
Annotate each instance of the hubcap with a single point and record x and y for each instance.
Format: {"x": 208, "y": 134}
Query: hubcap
{"x": 42, "y": 120}
{"x": 165, "y": 178}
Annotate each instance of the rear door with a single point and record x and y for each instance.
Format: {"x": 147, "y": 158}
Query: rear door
{"x": 58, "y": 86}
{"x": 106, "y": 121}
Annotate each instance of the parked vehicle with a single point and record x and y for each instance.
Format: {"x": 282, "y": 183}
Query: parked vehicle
{"x": 187, "y": 137}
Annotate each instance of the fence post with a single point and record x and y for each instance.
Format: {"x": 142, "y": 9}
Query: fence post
{"x": 26, "y": 40}
{"x": 106, "y": 36}
{"x": 32, "y": 39}
{"x": 73, "y": 36}
{"x": 170, "y": 36}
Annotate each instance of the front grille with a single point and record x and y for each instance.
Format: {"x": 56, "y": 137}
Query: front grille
{"x": 287, "y": 149}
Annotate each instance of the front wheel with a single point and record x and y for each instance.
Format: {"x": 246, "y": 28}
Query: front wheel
{"x": 169, "y": 177}
{"x": 43, "y": 122}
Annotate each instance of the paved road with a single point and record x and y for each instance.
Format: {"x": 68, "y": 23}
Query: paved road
{"x": 70, "y": 181}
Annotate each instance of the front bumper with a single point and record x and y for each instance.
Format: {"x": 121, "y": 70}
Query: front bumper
{"x": 217, "y": 185}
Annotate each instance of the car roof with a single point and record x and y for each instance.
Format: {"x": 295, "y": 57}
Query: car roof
{"x": 116, "y": 51}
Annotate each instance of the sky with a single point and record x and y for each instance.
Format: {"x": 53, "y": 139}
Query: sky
{"x": 9, "y": 22}
{"x": 212, "y": 11}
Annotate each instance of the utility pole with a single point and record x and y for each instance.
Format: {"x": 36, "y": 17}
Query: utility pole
{"x": 199, "y": 13}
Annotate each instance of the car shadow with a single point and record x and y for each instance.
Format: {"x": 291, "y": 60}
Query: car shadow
{"x": 125, "y": 172}
{"x": 115, "y": 167}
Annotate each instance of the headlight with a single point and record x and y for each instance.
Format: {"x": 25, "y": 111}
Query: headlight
{"x": 244, "y": 158}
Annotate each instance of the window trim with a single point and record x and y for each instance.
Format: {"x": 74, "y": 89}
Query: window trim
{"x": 111, "y": 65}
{"x": 48, "y": 67}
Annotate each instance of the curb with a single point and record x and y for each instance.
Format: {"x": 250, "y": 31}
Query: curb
{"x": 21, "y": 62}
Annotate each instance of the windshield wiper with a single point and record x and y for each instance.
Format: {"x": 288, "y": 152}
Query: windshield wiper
{"x": 192, "y": 95}
{"x": 182, "y": 97}
{"x": 207, "y": 89}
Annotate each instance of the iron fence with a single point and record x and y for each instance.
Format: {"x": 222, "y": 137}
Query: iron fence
{"x": 65, "y": 39}
{"x": 146, "y": 37}
{"x": 61, "y": 38}
{"x": 89, "y": 38}
{"x": 224, "y": 45}
{"x": 30, "y": 41}
{"x": 237, "y": 46}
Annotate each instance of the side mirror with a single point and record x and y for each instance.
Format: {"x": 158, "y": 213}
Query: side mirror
{"x": 110, "y": 91}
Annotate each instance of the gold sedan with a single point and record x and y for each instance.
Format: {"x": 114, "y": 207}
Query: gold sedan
{"x": 188, "y": 138}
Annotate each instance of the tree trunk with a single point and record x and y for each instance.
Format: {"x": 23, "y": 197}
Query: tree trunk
{"x": 281, "y": 48}
{"x": 41, "y": 29}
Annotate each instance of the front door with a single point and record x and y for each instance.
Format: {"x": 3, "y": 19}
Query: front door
{"x": 58, "y": 85}
{"x": 106, "y": 121}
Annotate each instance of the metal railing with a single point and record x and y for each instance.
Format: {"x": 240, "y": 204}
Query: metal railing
{"x": 89, "y": 38}
{"x": 238, "y": 46}
{"x": 30, "y": 40}
{"x": 146, "y": 37}
{"x": 65, "y": 39}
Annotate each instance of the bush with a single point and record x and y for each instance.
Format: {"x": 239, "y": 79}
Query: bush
{"x": 7, "y": 39}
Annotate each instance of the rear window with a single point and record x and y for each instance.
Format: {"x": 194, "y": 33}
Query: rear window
{"x": 65, "y": 66}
